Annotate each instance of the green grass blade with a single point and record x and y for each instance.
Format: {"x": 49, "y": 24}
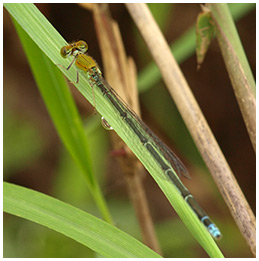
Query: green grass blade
{"x": 50, "y": 46}
{"x": 86, "y": 229}
{"x": 63, "y": 112}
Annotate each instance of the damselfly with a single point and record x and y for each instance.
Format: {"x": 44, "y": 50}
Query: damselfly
{"x": 165, "y": 158}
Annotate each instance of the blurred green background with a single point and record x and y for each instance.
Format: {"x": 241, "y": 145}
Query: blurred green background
{"x": 35, "y": 158}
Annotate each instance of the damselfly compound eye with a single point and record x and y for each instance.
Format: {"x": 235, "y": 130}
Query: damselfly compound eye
{"x": 65, "y": 51}
{"x": 82, "y": 46}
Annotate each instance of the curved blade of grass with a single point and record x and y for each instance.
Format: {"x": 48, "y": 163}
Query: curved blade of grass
{"x": 48, "y": 39}
{"x": 84, "y": 228}
{"x": 63, "y": 112}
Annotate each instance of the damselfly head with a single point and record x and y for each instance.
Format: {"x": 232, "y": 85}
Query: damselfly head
{"x": 74, "y": 49}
